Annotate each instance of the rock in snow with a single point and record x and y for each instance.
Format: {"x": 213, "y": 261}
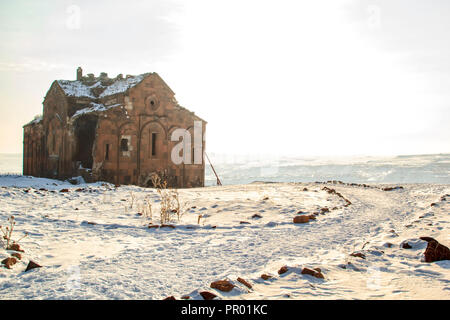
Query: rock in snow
{"x": 314, "y": 273}
{"x": 222, "y": 285}
{"x": 208, "y": 295}
{"x": 283, "y": 269}
{"x": 32, "y": 265}
{"x": 9, "y": 262}
{"x": 244, "y": 282}
{"x": 435, "y": 251}
{"x": 301, "y": 219}
{"x": 265, "y": 276}
{"x": 15, "y": 247}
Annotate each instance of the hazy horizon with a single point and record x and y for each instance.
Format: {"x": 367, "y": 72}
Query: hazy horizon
{"x": 288, "y": 78}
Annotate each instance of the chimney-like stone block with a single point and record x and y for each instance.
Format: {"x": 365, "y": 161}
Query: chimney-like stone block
{"x": 79, "y": 73}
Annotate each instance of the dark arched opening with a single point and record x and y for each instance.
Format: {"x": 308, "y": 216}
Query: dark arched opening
{"x": 85, "y": 128}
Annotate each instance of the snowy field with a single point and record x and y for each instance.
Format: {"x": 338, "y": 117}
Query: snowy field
{"x": 93, "y": 244}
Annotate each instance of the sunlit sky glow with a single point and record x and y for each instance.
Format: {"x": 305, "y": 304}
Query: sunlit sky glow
{"x": 336, "y": 77}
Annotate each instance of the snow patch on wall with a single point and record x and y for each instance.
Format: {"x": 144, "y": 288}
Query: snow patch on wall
{"x": 94, "y": 107}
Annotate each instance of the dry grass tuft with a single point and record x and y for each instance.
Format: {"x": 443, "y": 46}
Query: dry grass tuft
{"x": 6, "y": 240}
{"x": 170, "y": 205}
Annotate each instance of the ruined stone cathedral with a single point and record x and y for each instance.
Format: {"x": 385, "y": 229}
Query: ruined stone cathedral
{"x": 110, "y": 129}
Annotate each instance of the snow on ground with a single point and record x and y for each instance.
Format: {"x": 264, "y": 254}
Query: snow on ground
{"x": 92, "y": 244}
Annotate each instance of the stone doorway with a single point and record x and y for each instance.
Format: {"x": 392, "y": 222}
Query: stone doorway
{"x": 85, "y": 129}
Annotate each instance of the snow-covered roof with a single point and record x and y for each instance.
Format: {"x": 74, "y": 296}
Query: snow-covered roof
{"x": 122, "y": 85}
{"x": 36, "y": 120}
{"x": 94, "y": 107}
{"x": 80, "y": 88}
{"x": 77, "y": 88}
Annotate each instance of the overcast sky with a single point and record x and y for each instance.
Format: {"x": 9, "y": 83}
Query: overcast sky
{"x": 336, "y": 77}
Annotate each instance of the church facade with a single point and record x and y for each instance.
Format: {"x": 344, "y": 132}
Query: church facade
{"x": 113, "y": 129}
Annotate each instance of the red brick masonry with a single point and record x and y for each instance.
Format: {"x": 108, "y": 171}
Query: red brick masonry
{"x": 110, "y": 129}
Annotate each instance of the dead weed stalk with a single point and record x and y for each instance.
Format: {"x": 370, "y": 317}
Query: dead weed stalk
{"x": 7, "y": 240}
{"x": 170, "y": 201}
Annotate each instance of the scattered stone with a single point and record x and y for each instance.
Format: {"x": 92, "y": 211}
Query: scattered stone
{"x": 266, "y": 276}
{"x": 433, "y": 204}
{"x": 92, "y": 223}
{"x": 43, "y": 189}
{"x": 312, "y": 217}
{"x": 222, "y": 285}
{"x": 358, "y": 255}
{"x": 313, "y": 273}
{"x": 406, "y": 245}
{"x": 329, "y": 190}
{"x": 244, "y": 282}
{"x": 170, "y": 298}
{"x": 256, "y": 216}
{"x": 265, "y": 198}
{"x": 32, "y": 265}
{"x": 64, "y": 190}
{"x": 435, "y": 251}
{"x": 301, "y": 219}
{"x": 17, "y": 255}
{"x": 9, "y": 262}
{"x": 305, "y": 189}
{"x": 396, "y": 188}
{"x": 244, "y": 222}
{"x": 15, "y": 247}
{"x": 207, "y": 295}
{"x": 323, "y": 210}
{"x": 139, "y": 213}
{"x": 283, "y": 269}
{"x": 167, "y": 226}
{"x": 151, "y": 226}
{"x": 185, "y": 297}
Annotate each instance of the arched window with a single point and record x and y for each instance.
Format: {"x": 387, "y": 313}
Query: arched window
{"x": 154, "y": 137}
{"x": 124, "y": 144}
